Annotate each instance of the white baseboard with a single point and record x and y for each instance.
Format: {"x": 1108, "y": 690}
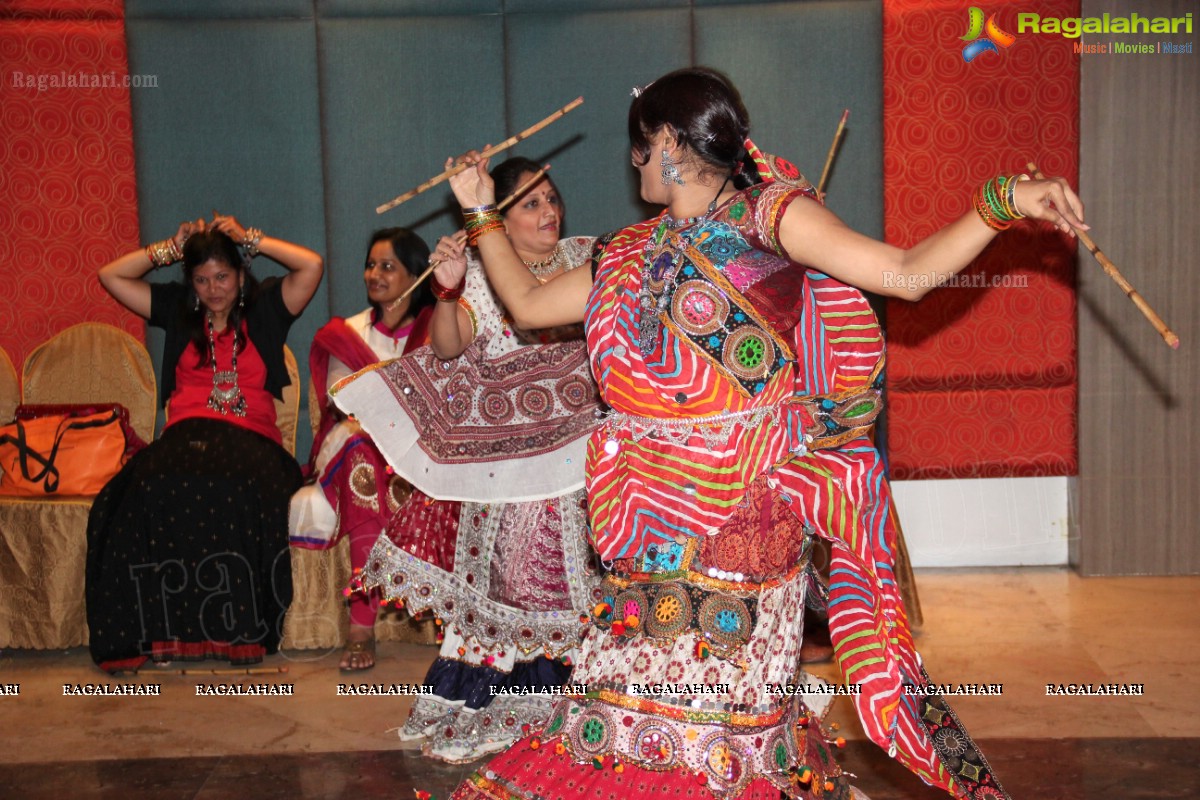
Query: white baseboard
{"x": 985, "y": 522}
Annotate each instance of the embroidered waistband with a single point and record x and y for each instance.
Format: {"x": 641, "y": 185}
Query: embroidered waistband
{"x": 665, "y": 611}
{"x": 713, "y": 429}
{"x": 814, "y": 421}
{"x": 726, "y": 751}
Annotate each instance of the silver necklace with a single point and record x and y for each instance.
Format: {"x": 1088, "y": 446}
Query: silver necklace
{"x": 542, "y": 270}
{"x": 227, "y": 400}
{"x": 658, "y": 272}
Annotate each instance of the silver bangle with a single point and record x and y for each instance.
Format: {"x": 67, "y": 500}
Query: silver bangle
{"x": 253, "y": 237}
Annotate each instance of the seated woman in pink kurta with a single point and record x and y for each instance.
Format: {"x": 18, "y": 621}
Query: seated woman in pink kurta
{"x": 352, "y": 491}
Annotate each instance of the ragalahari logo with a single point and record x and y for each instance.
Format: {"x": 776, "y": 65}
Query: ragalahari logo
{"x": 994, "y": 35}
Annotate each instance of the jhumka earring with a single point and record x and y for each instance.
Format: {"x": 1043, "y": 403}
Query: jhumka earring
{"x": 670, "y": 172}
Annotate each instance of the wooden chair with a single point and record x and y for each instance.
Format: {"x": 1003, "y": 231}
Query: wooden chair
{"x": 43, "y": 542}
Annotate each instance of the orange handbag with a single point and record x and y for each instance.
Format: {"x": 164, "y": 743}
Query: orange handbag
{"x": 61, "y": 454}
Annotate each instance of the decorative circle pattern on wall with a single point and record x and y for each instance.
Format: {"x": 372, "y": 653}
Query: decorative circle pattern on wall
{"x": 66, "y": 168}
{"x": 981, "y": 375}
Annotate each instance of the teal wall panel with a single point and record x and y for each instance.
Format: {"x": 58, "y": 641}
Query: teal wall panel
{"x": 798, "y": 65}
{"x": 397, "y": 100}
{"x": 302, "y": 116}
{"x": 218, "y": 9}
{"x": 553, "y": 58}
{"x": 584, "y": 6}
{"x": 329, "y": 9}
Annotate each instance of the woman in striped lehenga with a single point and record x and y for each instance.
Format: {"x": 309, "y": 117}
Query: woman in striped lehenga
{"x": 743, "y": 372}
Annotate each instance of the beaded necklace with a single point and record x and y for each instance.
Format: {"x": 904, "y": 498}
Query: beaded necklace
{"x": 659, "y": 271}
{"x": 230, "y": 398}
{"x": 542, "y": 270}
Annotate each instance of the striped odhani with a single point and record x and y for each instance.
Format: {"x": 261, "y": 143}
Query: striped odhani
{"x": 646, "y": 489}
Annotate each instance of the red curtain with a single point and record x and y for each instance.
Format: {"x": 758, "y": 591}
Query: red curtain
{"x": 981, "y": 376}
{"x": 66, "y": 167}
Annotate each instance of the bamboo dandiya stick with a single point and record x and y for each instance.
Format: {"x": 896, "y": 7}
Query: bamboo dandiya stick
{"x": 1111, "y": 269}
{"x": 460, "y": 236}
{"x": 246, "y": 671}
{"x": 488, "y": 153}
{"x": 412, "y": 287}
{"x": 837, "y": 137}
{"x": 523, "y": 188}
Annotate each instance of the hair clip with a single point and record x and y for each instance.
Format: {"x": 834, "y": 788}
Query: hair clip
{"x": 638, "y": 91}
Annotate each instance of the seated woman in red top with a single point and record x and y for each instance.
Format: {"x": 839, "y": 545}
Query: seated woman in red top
{"x": 187, "y": 545}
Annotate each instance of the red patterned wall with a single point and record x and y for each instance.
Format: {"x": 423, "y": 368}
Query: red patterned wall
{"x": 66, "y": 167}
{"x": 981, "y": 381}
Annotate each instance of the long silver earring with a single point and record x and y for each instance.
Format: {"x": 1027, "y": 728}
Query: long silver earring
{"x": 241, "y": 297}
{"x": 670, "y": 172}
{"x": 196, "y": 307}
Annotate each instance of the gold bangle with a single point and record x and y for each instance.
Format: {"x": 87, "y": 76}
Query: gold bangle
{"x": 1011, "y": 196}
{"x": 164, "y": 253}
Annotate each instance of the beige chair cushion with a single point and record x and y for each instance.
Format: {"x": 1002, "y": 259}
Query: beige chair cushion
{"x": 43, "y": 543}
{"x": 43, "y": 550}
{"x": 95, "y": 363}
{"x": 314, "y": 409}
{"x": 10, "y": 389}
{"x": 318, "y": 617}
{"x": 287, "y": 411}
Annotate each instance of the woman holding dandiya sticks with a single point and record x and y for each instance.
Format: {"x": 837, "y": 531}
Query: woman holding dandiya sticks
{"x": 521, "y": 576}
{"x": 743, "y": 368}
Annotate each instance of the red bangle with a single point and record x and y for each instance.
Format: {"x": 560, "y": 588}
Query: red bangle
{"x": 442, "y": 293}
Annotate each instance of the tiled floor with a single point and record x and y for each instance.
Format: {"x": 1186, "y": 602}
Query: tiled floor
{"x": 1021, "y": 628}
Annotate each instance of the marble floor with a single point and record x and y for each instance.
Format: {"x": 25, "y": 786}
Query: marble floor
{"x": 1022, "y": 628}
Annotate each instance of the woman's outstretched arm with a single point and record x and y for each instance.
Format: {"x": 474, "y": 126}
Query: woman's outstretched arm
{"x": 814, "y": 236}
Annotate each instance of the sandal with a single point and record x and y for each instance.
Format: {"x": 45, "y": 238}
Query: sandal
{"x": 353, "y": 652}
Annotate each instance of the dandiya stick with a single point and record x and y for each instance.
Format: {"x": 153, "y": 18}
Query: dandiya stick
{"x": 505, "y": 203}
{"x": 247, "y": 671}
{"x": 488, "y": 153}
{"x": 1109, "y": 267}
{"x": 837, "y": 138}
{"x": 523, "y": 188}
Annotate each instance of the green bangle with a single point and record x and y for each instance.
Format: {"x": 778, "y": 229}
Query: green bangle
{"x": 992, "y": 197}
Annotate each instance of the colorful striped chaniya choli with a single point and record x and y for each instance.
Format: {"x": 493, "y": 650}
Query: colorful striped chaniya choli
{"x": 738, "y": 431}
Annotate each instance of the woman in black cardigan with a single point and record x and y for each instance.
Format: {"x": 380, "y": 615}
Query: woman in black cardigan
{"x": 187, "y": 545}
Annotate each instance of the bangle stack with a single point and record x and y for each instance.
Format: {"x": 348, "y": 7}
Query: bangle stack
{"x": 449, "y": 295}
{"x": 164, "y": 253}
{"x": 481, "y": 220}
{"x": 995, "y": 203}
{"x": 253, "y": 237}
